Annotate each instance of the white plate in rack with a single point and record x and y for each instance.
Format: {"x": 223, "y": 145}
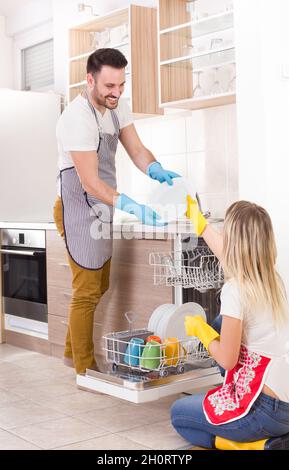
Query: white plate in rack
{"x": 173, "y": 324}
{"x": 156, "y": 315}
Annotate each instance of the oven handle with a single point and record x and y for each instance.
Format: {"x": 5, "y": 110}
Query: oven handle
{"x": 22, "y": 253}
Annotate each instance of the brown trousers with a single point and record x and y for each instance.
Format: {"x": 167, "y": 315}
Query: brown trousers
{"x": 88, "y": 287}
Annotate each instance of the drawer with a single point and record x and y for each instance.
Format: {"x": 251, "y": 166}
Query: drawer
{"x": 58, "y": 300}
{"x": 55, "y": 246}
{"x": 57, "y": 328}
{"x": 59, "y": 273}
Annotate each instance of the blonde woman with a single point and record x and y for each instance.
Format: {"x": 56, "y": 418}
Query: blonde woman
{"x": 253, "y": 346}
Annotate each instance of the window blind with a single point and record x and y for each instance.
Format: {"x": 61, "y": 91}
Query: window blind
{"x": 37, "y": 67}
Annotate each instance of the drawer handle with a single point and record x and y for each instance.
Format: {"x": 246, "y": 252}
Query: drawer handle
{"x": 66, "y": 265}
{"x": 67, "y": 294}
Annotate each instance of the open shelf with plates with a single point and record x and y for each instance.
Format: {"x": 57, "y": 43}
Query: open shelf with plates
{"x": 130, "y": 30}
{"x": 196, "y": 54}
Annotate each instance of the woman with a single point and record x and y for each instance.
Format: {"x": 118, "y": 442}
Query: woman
{"x": 253, "y": 346}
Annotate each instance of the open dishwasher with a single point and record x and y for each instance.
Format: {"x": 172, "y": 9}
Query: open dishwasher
{"x": 149, "y": 373}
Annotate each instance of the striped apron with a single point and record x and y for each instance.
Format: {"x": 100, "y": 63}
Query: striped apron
{"x": 88, "y": 221}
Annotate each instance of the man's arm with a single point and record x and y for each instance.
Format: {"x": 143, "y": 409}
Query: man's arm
{"x": 137, "y": 152}
{"x": 86, "y": 165}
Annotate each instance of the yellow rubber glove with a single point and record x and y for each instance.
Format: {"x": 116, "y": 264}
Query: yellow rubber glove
{"x": 193, "y": 213}
{"x": 196, "y": 326}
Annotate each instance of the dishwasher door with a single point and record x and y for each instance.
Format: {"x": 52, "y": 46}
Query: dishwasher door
{"x": 138, "y": 388}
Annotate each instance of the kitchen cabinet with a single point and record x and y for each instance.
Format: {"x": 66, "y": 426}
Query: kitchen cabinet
{"x": 131, "y": 289}
{"x": 133, "y": 31}
{"x": 196, "y": 53}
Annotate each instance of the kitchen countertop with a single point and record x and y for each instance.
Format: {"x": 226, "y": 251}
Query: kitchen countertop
{"x": 124, "y": 228}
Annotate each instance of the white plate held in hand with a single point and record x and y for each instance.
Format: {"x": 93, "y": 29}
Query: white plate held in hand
{"x": 170, "y": 202}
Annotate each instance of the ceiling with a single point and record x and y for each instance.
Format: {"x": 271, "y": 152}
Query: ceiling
{"x": 9, "y": 7}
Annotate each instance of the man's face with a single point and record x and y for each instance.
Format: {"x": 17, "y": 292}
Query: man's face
{"x": 107, "y": 86}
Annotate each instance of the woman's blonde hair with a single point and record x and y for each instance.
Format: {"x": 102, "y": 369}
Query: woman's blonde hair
{"x": 249, "y": 256}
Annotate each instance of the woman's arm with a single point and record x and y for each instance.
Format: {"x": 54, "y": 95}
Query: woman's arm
{"x": 226, "y": 349}
{"x": 214, "y": 241}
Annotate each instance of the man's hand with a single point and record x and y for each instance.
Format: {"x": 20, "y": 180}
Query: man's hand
{"x": 157, "y": 172}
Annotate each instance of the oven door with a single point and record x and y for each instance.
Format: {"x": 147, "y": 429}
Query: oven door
{"x": 24, "y": 282}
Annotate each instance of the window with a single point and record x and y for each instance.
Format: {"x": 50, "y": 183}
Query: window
{"x": 37, "y": 67}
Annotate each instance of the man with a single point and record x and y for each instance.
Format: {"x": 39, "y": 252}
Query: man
{"x": 87, "y": 135}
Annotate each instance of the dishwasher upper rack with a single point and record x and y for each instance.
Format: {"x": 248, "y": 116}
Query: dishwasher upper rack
{"x": 197, "y": 268}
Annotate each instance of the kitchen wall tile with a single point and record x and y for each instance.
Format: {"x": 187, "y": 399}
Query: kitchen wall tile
{"x": 195, "y": 131}
{"x": 215, "y": 128}
{"x": 144, "y": 130}
{"x": 168, "y": 136}
{"x": 232, "y": 150}
{"x": 216, "y": 203}
{"x": 207, "y": 170}
{"x": 232, "y": 197}
{"x": 58, "y": 432}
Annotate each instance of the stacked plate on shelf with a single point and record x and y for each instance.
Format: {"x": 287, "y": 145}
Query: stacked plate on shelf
{"x": 168, "y": 320}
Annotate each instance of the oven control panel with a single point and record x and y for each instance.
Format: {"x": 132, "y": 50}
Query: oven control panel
{"x": 23, "y": 238}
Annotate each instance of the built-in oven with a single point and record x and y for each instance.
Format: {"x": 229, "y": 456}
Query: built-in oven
{"x": 24, "y": 283}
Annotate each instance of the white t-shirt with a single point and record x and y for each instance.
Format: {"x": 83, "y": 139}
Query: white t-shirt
{"x": 77, "y": 128}
{"x": 260, "y": 335}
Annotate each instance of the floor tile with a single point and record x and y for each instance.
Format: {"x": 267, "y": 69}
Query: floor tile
{"x": 156, "y": 436}
{"x": 77, "y": 403}
{"x": 10, "y": 442}
{"x": 45, "y": 390}
{"x": 8, "y": 397}
{"x": 10, "y": 353}
{"x": 108, "y": 442}
{"x": 25, "y": 412}
{"x": 123, "y": 416}
{"x": 59, "y": 432}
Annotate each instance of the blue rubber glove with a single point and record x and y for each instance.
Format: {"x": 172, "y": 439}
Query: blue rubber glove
{"x": 144, "y": 213}
{"x": 156, "y": 172}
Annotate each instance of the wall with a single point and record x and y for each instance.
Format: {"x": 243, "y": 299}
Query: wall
{"x": 6, "y": 75}
{"x": 263, "y": 112}
{"x": 201, "y": 145}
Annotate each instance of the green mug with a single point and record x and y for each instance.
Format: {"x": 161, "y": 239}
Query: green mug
{"x": 151, "y": 356}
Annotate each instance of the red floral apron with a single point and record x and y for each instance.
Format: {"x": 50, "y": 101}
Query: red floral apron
{"x": 241, "y": 387}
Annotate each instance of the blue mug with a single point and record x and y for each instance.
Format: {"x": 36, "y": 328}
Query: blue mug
{"x": 134, "y": 351}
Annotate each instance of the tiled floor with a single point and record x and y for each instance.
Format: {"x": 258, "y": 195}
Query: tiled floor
{"x": 41, "y": 408}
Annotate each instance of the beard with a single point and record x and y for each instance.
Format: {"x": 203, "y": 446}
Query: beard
{"x": 109, "y": 101}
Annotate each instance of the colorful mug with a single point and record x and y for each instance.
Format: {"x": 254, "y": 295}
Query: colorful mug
{"x": 134, "y": 351}
{"x": 151, "y": 356}
{"x": 171, "y": 351}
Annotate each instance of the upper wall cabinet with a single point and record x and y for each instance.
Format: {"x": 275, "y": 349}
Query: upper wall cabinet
{"x": 196, "y": 53}
{"x": 133, "y": 31}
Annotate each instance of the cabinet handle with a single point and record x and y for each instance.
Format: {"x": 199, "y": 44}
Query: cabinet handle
{"x": 67, "y": 294}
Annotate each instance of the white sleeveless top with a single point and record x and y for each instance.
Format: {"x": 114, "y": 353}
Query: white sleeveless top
{"x": 260, "y": 335}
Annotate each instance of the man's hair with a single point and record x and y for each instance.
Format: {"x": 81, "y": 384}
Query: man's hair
{"x": 108, "y": 56}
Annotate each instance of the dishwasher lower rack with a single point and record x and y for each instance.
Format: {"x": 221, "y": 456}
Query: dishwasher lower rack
{"x": 169, "y": 357}
{"x": 197, "y": 268}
